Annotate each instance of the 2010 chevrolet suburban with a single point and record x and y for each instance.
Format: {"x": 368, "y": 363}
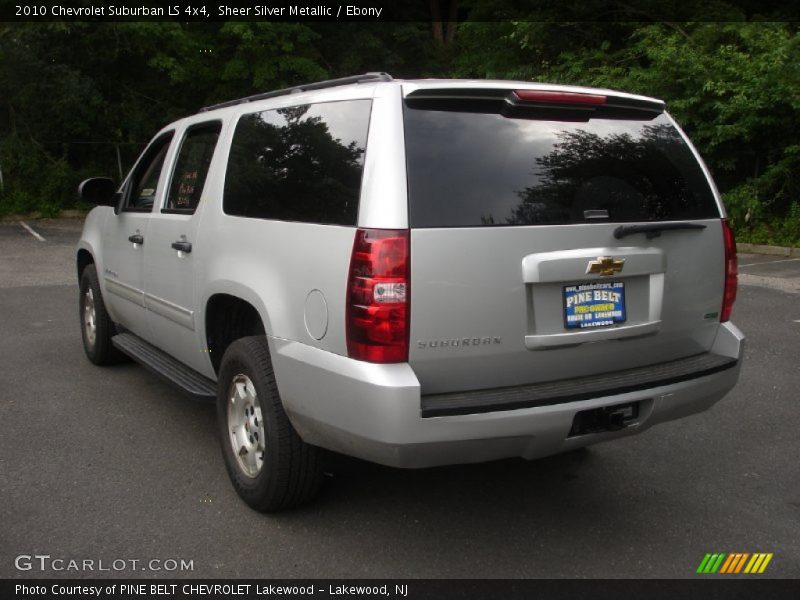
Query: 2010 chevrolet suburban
{"x": 416, "y": 273}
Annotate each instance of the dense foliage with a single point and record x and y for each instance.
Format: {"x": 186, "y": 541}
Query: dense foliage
{"x": 83, "y": 98}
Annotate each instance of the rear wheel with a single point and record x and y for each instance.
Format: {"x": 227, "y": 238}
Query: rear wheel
{"x": 269, "y": 465}
{"x": 97, "y": 328}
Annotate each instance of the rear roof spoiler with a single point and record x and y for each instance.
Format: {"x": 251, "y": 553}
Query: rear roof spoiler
{"x": 540, "y": 98}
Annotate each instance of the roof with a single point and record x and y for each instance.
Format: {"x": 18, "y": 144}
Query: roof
{"x": 418, "y": 86}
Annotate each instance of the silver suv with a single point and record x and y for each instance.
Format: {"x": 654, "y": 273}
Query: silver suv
{"x": 416, "y": 273}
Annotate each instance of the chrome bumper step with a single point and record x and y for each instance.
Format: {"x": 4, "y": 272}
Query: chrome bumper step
{"x": 573, "y": 390}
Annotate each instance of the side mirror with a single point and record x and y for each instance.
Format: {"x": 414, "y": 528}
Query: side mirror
{"x": 98, "y": 190}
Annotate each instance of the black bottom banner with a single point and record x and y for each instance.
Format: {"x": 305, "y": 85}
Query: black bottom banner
{"x": 412, "y": 589}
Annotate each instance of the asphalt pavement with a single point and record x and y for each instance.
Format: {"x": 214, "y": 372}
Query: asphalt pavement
{"x": 110, "y": 464}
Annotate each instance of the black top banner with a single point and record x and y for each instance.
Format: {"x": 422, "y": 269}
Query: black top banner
{"x": 393, "y": 11}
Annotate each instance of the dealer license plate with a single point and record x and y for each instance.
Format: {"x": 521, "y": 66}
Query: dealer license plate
{"x": 597, "y": 304}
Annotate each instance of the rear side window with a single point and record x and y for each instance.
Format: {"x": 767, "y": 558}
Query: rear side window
{"x": 191, "y": 167}
{"x": 469, "y": 169}
{"x": 299, "y": 164}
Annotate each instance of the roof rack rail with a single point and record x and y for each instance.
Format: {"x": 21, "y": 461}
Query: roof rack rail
{"x": 319, "y": 85}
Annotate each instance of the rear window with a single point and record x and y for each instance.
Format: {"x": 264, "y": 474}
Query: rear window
{"x": 302, "y": 163}
{"x": 470, "y": 169}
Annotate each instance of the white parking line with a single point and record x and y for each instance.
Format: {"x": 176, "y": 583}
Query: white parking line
{"x": 770, "y": 262}
{"x": 30, "y": 230}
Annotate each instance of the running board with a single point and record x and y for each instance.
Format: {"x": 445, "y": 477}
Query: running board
{"x": 162, "y": 364}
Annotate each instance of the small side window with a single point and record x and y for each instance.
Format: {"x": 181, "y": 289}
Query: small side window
{"x": 143, "y": 184}
{"x": 191, "y": 167}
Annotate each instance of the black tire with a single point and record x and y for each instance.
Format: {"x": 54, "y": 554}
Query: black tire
{"x": 100, "y": 350}
{"x": 290, "y": 473}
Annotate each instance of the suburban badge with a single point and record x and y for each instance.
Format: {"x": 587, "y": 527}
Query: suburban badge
{"x": 460, "y": 342}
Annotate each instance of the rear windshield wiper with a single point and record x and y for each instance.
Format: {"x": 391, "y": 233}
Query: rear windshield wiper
{"x": 653, "y": 229}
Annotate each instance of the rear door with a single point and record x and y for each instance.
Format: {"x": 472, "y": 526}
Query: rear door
{"x": 554, "y": 237}
{"x": 173, "y": 252}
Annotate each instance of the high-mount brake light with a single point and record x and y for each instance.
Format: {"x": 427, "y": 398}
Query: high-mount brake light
{"x": 553, "y": 97}
{"x": 731, "y": 272}
{"x": 378, "y": 296}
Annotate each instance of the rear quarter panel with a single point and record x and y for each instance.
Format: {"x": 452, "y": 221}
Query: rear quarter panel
{"x": 275, "y": 265}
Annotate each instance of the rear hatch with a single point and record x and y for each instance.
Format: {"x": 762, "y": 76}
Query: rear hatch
{"x": 554, "y": 235}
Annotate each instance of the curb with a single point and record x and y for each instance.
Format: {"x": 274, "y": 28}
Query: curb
{"x": 64, "y": 214}
{"x": 770, "y": 250}
{"x": 73, "y": 214}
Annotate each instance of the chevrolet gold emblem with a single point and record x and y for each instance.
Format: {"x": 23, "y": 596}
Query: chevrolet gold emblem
{"x": 605, "y": 266}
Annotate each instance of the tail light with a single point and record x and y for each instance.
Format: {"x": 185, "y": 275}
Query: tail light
{"x": 731, "y": 272}
{"x": 378, "y": 296}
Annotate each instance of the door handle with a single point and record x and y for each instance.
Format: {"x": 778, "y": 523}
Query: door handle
{"x": 182, "y": 246}
{"x": 136, "y": 238}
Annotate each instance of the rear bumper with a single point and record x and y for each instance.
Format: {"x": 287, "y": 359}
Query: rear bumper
{"x": 374, "y": 411}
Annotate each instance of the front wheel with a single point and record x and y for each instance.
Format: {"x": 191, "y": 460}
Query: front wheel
{"x": 269, "y": 465}
{"x": 97, "y": 328}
